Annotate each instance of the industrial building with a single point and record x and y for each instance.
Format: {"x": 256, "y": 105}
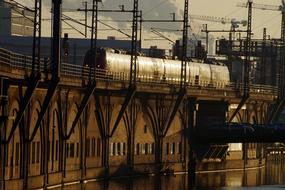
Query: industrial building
{"x": 14, "y": 20}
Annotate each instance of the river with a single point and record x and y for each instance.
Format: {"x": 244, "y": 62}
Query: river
{"x": 271, "y": 176}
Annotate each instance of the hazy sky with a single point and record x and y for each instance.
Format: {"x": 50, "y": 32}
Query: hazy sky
{"x": 161, "y": 9}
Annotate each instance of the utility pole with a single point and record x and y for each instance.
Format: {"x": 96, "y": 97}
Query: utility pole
{"x": 134, "y": 45}
{"x": 247, "y": 50}
{"x": 184, "y": 45}
{"x": 263, "y": 59}
{"x": 37, "y": 37}
{"x": 93, "y": 46}
{"x": 246, "y": 66}
{"x": 283, "y": 22}
{"x": 282, "y": 57}
{"x": 86, "y": 16}
{"x": 140, "y": 47}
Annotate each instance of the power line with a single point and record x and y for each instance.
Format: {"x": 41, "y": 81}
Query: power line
{"x": 264, "y": 22}
{"x": 156, "y": 6}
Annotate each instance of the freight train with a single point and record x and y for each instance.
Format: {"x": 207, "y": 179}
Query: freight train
{"x": 159, "y": 70}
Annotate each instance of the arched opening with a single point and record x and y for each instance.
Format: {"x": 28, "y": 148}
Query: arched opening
{"x": 53, "y": 144}
{"x": 12, "y": 150}
{"x": 173, "y": 142}
{"x": 93, "y": 141}
{"x": 73, "y": 145}
{"x": 36, "y": 146}
{"x": 144, "y": 141}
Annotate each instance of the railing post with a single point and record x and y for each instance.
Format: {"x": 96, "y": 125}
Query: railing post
{"x": 46, "y": 60}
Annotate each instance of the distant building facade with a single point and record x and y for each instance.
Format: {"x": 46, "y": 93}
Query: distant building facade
{"x": 15, "y": 21}
{"x": 153, "y": 51}
{"x": 73, "y": 49}
{"x": 192, "y": 43}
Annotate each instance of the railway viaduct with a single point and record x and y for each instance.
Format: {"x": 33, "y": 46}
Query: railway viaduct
{"x": 117, "y": 133}
{"x": 57, "y": 130}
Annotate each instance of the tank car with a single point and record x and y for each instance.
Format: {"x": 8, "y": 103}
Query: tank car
{"x": 157, "y": 70}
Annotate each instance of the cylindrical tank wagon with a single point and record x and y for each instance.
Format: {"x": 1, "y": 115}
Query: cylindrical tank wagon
{"x": 159, "y": 70}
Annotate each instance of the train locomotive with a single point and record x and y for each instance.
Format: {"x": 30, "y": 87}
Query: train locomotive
{"x": 149, "y": 69}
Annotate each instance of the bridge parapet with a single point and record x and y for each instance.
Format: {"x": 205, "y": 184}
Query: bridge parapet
{"x": 17, "y": 67}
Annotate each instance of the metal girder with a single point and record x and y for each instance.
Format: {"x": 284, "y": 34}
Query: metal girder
{"x": 33, "y": 83}
{"x": 3, "y": 101}
{"x": 93, "y": 45}
{"x": 37, "y": 38}
{"x": 49, "y": 95}
{"x": 174, "y": 107}
{"x": 35, "y": 76}
{"x": 173, "y": 110}
{"x": 128, "y": 99}
{"x": 89, "y": 91}
{"x": 56, "y": 65}
{"x": 277, "y": 109}
{"x": 242, "y": 102}
{"x": 92, "y": 72}
{"x": 133, "y": 69}
{"x": 247, "y": 49}
{"x": 99, "y": 117}
{"x": 184, "y": 47}
{"x": 283, "y": 27}
{"x": 246, "y": 67}
{"x": 56, "y": 49}
{"x": 263, "y": 59}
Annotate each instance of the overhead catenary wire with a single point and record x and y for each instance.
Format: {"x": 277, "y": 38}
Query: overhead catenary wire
{"x": 107, "y": 25}
{"x": 154, "y": 7}
{"x": 266, "y": 21}
{"x": 72, "y": 27}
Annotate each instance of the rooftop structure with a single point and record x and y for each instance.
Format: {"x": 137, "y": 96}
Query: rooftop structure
{"x": 14, "y": 20}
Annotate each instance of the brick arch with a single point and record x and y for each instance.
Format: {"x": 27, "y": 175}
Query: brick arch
{"x": 145, "y": 135}
{"x": 14, "y": 150}
{"x": 72, "y": 111}
{"x": 238, "y": 118}
{"x": 263, "y": 113}
{"x": 54, "y": 142}
{"x": 176, "y": 125}
{"x": 154, "y": 114}
{"x": 258, "y": 114}
{"x": 73, "y": 144}
{"x": 93, "y": 138}
{"x": 91, "y": 118}
{"x": 118, "y": 148}
{"x": 38, "y": 143}
{"x": 173, "y": 141}
{"x": 253, "y": 117}
{"x": 35, "y": 110}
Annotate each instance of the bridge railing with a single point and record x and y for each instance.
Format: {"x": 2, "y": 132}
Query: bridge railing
{"x": 24, "y": 62}
{"x": 20, "y": 61}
